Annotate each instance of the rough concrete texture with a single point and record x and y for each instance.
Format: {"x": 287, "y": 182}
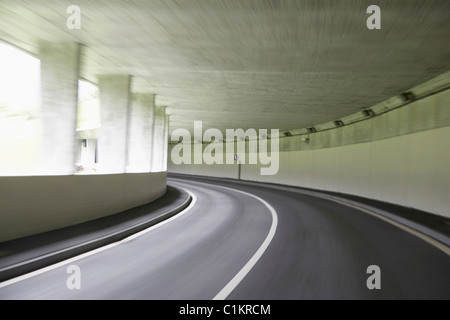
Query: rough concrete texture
{"x": 114, "y": 109}
{"x": 140, "y": 138}
{"x": 158, "y": 139}
{"x": 248, "y": 63}
{"x": 60, "y": 65}
{"x": 166, "y": 142}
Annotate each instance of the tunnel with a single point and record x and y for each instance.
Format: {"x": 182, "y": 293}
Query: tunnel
{"x": 224, "y": 150}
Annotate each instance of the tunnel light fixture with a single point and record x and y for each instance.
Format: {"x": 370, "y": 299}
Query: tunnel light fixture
{"x": 338, "y": 123}
{"x": 408, "y": 96}
{"x": 288, "y": 134}
{"x": 368, "y": 113}
{"x": 311, "y": 129}
{"x": 305, "y": 139}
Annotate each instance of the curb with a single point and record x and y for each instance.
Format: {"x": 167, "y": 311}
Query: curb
{"x": 438, "y": 236}
{"x": 21, "y": 268}
{"x": 434, "y": 234}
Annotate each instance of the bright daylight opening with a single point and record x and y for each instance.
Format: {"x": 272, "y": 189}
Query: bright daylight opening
{"x": 88, "y": 123}
{"x": 20, "y": 127}
{"x": 19, "y": 108}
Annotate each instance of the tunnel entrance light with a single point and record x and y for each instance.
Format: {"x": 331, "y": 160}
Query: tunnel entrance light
{"x": 311, "y": 129}
{"x": 338, "y": 123}
{"x": 408, "y": 96}
{"x": 288, "y": 134}
{"x": 368, "y": 113}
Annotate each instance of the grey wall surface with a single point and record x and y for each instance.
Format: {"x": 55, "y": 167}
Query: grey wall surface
{"x": 34, "y": 204}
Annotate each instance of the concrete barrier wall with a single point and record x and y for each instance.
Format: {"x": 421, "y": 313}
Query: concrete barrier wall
{"x": 406, "y": 160}
{"x": 34, "y": 204}
{"x": 410, "y": 170}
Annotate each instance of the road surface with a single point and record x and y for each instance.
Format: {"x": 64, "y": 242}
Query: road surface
{"x": 245, "y": 241}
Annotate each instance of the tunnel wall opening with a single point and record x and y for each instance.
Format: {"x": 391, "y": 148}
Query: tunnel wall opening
{"x": 400, "y": 157}
{"x": 35, "y": 204}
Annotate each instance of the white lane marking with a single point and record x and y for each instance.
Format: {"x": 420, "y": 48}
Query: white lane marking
{"x": 223, "y": 294}
{"x": 435, "y": 243}
{"x": 104, "y": 248}
{"x": 420, "y": 235}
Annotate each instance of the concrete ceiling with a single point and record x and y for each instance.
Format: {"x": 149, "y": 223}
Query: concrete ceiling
{"x": 248, "y": 63}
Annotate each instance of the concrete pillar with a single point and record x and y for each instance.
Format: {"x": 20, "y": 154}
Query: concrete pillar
{"x": 158, "y": 139}
{"x": 114, "y": 109}
{"x": 140, "y": 140}
{"x": 60, "y": 65}
{"x": 166, "y": 142}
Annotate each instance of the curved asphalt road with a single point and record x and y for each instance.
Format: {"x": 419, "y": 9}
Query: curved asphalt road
{"x": 320, "y": 250}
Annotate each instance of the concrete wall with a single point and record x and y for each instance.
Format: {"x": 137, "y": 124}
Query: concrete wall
{"x": 159, "y": 144}
{"x": 114, "y": 110}
{"x": 60, "y": 64}
{"x": 411, "y": 170}
{"x": 33, "y": 204}
{"x": 400, "y": 157}
{"x": 140, "y": 136}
